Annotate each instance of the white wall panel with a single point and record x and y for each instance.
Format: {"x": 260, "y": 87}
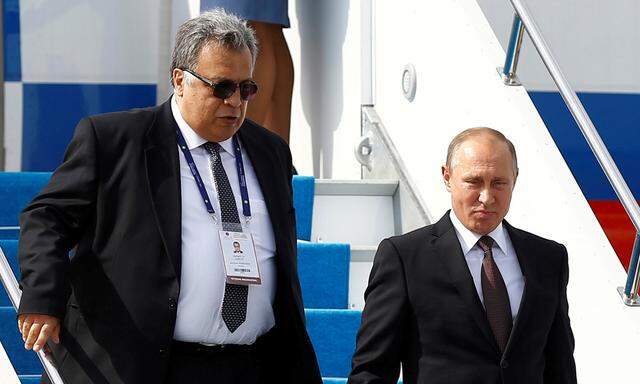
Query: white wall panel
{"x": 13, "y": 125}
{"x": 90, "y": 41}
{"x": 172, "y": 14}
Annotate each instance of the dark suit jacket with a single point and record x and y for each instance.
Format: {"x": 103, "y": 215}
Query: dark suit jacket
{"x": 116, "y": 199}
{"x": 422, "y": 310}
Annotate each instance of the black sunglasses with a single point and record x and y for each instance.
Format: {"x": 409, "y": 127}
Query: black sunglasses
{"x": 226, "y": 88}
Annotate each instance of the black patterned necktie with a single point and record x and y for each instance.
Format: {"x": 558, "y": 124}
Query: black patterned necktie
{"x": 234, "y": 303}
{"x": 496, "y": 297}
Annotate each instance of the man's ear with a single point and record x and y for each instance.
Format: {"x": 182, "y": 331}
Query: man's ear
{"x": 178, "y": 81}
{"x": 446, "y": 177}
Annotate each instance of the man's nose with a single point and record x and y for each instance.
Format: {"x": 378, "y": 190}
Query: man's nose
{"x": 486, "y": 197}
{"x": 234, "y": 100}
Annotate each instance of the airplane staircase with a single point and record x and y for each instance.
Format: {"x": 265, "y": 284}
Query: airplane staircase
{"x": 332, "y": 268}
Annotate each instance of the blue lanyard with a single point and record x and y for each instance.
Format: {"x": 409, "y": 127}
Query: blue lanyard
{"x": 244, "y": 193}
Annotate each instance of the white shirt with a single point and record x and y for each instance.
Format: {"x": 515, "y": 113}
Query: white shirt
{"x": 503, "y": 254}
{"x": 199, "y": 317}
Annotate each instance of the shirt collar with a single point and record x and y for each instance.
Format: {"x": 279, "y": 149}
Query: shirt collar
{"x": 192, "y": 139}
{"x": 468, "y": 238}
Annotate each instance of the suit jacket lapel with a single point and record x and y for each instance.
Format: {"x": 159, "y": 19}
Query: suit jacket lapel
{"x": 450, "y": 253}
{"x": 163, "y": 177}
{"x": 263, "y": 162}
{"x": 525, "y": 259}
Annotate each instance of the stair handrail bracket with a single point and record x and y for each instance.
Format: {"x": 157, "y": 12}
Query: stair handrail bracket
{"x": 522, "y": 18}
{"x": 371, "y": 118}
{"x": 13, "y": 291}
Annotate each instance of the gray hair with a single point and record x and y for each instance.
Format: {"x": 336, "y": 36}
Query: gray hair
{"x": 480, "y": 131}
{"x": 214, "y": 26}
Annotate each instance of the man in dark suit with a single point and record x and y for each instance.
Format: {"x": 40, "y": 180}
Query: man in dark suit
{"x": 149, "y": 294}
{"x": 469, "y": 299}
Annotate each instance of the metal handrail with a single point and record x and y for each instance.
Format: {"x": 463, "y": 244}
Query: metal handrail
{"x": 508, "y": 72}
{"x": 523, "y": 18}
{"x": 13, "y": 290}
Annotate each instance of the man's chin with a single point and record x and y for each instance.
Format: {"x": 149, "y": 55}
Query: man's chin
{"x": 485, "y": 227}
{"x": 222, "y": 133}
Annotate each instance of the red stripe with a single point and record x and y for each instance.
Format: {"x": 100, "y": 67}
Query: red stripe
{"x": 617, "y": 226}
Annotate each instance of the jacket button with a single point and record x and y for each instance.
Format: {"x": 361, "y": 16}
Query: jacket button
{"x": 172, "y": 302}
{"x": 162, "y": 351}
{"x": 504, "y": 364}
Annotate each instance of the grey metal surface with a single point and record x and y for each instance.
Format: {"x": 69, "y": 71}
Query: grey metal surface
{"x": 363, "y": 151}
{"x": 356, "y": 187}
{"x": 631, "y": 301}
{"x": 13, "y": 291}
{"x": 508, "y": 72}
{"x": 633, "y": 281}
{"x": 363, "y": 253}
{"x": 410, "y": 211}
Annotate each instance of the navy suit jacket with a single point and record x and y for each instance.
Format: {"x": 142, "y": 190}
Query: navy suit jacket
{"x": 116, "y": 200}
{"x": 422, "y": 311}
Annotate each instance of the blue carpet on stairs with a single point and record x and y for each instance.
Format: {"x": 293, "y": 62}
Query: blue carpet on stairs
{"x": 10, "y": 250}
{"x": 25, "y": 362}
{"x": 333, "y": 334}
{"x": 11, "y": 232}
{"x": 16, "y": 190}
{"x": 29, "y": 379}
{"x": 303, "y": 189}
{"x": 323, "y": 269}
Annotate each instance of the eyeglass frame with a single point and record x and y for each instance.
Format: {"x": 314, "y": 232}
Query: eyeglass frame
{"x": 213, "y": 84}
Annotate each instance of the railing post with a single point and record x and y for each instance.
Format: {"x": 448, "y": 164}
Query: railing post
{"x": 508, "y": 72}
{"x": 630, "y": 294}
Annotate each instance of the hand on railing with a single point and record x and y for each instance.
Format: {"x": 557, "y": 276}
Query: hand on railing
{"x": 36, "y": 329}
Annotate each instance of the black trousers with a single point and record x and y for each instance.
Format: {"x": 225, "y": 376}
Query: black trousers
{"x": 228, "y": 365}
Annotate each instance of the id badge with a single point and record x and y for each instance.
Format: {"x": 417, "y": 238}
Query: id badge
{"x": 240, "y": 261}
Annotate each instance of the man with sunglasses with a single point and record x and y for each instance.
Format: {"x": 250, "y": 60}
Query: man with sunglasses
{"x": 152, "y": 202}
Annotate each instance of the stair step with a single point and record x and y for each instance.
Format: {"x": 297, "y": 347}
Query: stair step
{"x": 10, "y": 250}
{"x": 29, "y": 379}
{"x": 16, "y": 190}
{"x": 303, "y": 193}
{"x": 364, "y": 210}
{"x": 323, "y": 269}
{"x": 339, "y": 380}
{"x": 359, "y": 271}
{"x": 379, "y": 187}
{"x": 333, "y": 334}
{"x": 11, "y": 232}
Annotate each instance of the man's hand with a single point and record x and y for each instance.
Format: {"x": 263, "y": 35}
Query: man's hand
{"x": 36, "y": 330}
